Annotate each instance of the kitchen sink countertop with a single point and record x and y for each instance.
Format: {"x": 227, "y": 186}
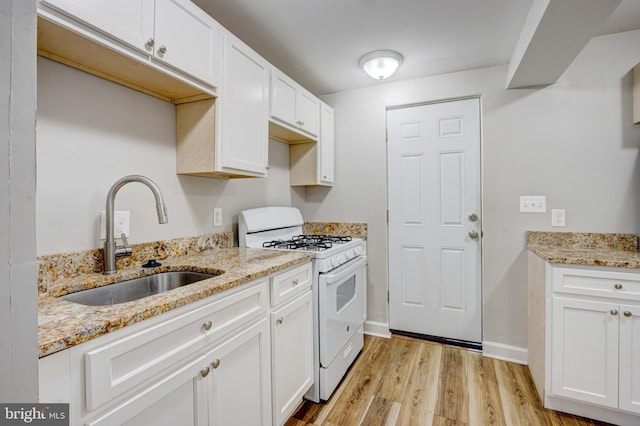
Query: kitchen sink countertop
{"x": 613, "y": 250}
{"x": 63, "y": 324}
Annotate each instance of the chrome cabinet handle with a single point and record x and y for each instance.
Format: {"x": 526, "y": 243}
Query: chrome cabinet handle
{"x": 294, "y": 282}
{"x": 207, "y": 325}
{"x": 216, "y": 363}
{"x": 618, "y": 286}
{"x": 280, "y": 320}
{"x": 473, "y": 234}
{"x": 149, "y": 44}
{"x": 614, "y": 312}
{"x": 205, "y": 372}
{"x": 473, "y": 217}
{"x": 628, "y": 314}
{"x": 162, "y": 50}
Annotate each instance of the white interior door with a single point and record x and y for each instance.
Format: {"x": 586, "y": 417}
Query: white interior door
{"x": 434, "y": 219}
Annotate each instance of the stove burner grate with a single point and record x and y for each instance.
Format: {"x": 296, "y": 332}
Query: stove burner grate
{"x": 307, "y": 242}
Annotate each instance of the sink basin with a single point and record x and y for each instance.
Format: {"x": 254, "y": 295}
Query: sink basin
{"x": 135, "y": 289}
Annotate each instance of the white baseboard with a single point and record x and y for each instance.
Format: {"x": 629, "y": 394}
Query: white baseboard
{"x": 375, "y": 328}
{"x": 505, "y": 352}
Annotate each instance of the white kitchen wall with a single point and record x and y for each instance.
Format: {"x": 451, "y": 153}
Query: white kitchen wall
{"x": 91, "y": 132}
{"x": 572, "y": 141}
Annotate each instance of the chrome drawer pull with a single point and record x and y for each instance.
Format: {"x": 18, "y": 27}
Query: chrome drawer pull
{"x": 618, "y": 286}
{"x": 279, "y": 320}
{"x": 294, "y": 282}
{"x": 216, "y": 363}
{"x": 207, "y": 325}
{"x": 628, "y": 314}
{"x": 614, "y": 312}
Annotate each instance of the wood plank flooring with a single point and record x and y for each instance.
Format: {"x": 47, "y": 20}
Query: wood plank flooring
{"x": 404, "y": 381}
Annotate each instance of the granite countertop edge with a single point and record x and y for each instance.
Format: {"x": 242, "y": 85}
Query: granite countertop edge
{"x": 587, "y": 256}
{"x": 63, "y": 324}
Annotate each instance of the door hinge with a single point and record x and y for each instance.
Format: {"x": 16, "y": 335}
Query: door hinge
{"x": 387, "y": 296}
{"x": 387, "y": 216}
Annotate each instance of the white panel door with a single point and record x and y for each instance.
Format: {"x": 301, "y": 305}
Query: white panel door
{"x": 188, "y": 39}
{"x": 584, "y": 351}
{"x": 130, "y": 21}
{"x": 434, "y": 219}
{"x": 238, "y": 383}
{"x": 630, "y": 358}
{"x": 244, "y": 105}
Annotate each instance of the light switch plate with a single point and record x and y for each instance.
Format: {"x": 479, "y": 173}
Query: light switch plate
{"x": 217, "y": 216}
{"x": 533, "y": 204}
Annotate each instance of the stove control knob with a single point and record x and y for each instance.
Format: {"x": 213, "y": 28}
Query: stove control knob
{"x": 335, "y": 261}
{"x": 359, "y": 250}
{"x": 351, "y": 253}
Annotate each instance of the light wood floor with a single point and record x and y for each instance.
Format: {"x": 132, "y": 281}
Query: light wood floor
{"x": 404, "y": 381}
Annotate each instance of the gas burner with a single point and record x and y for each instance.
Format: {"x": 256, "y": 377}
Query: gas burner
{"x": 299, "y": 243}
{"x": 315, "y": 238}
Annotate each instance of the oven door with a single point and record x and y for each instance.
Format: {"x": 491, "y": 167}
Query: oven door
{"x": 341, "y": 307}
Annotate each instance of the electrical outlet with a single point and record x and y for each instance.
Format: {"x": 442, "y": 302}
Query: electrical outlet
{"x": 533, "y": 204}
{"x": 121, "y": 221}
{"x": 558, "y": 217}
{"x": 217, "y": 216}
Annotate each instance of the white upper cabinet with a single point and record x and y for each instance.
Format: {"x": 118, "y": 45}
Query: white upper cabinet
{"x": 188, "y": 39}
{"x": 293, "y": 107}
{"x": 243, "y": 128}
{"x": 173, "y": 32}
{"x": 228, "y": 137}
{"x": 327, "y": 142}
{"x": 312, "y": 163}
{"x": 130, "y": 21}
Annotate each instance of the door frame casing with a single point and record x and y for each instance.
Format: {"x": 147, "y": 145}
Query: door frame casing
{"x": 481, "y": 192}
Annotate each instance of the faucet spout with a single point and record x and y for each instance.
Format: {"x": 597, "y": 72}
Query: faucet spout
{"x": 110, "y": 249}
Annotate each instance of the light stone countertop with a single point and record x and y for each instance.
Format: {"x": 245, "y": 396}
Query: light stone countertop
{"x": 613, "y": 250}
{"x": 63, "y": 324}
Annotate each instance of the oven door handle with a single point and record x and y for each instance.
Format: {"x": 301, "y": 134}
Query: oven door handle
{"x": 345, "y": 270}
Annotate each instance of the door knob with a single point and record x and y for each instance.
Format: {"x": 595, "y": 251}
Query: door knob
{"x": 473, "y": 217}
{"x": 473, "y": 234}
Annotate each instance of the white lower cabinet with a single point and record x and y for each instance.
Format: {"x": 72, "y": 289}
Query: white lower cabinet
{"x": 238, "y": 383}
{"x": 584, "y": 351}
{"x": 584, "y": 339}
{"x": 207, "y": 363}
{"x": 292, "y": 355}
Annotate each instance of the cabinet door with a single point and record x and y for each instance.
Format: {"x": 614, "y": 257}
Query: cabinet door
{"x": 292, "y": 354}
{"x": 174, "y": 400}
{"x": 238, "y": 386}
{"x": 326, "y": 141}
{"x": 630, "y": 358}
{"x": 188, "y": 39}
{"x": 284, "y": 98}
{"x": 584, "y": 351}
{"x": 244, "y": 105}
{"x": 308, "y": 117}
{"x": 130, "y": 21}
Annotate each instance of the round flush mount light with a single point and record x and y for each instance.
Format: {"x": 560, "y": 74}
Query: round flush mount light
{"x": 381, "y": 64}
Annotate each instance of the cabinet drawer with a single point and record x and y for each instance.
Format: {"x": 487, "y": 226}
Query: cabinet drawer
{"x": 118, "y": 366}
{"x": 592, "y": 282}
{"x": 290, "y": 283}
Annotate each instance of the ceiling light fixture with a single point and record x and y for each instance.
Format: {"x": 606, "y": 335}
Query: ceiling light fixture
{"x": 381, "y": 64}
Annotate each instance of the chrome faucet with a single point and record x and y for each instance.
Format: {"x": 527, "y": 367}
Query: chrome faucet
{"x": 111, "y": 251}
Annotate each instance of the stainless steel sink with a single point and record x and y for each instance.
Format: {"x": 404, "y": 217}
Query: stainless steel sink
{"x": 135, "y": 289}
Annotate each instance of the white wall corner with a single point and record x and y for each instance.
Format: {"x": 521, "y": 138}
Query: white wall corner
{"x": 505, "y": 352}
{"x": 375, "y": 328}
{"x": 554, "y": 33}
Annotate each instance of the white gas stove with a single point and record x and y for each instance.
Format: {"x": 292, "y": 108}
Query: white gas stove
{"x": 338, "y": 288}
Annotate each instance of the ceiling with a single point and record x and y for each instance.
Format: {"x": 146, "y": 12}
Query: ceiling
{"x": 320, "y": 42}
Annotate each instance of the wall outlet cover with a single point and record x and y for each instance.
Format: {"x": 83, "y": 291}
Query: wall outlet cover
{"x": 121, "y": 223}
